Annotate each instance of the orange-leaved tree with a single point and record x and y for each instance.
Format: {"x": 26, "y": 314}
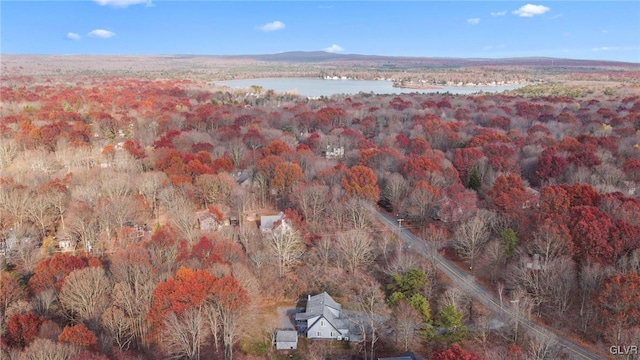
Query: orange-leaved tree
{"x": 361, "y": 181}
{"x": 619, "y": 299}
{"x": 196, "y": 303}
{"x": 80, "y": 336}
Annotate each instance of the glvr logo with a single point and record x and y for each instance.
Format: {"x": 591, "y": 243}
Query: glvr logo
{"x": 624, "y": 350}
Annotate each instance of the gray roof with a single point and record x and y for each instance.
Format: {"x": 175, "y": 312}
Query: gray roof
{"x": 317, "y": 305}
{"x": 320, "y": 305}
{"x": 267, "y": 222}
{"x": 287, "y": 336}
{"x": 409, "y": 355}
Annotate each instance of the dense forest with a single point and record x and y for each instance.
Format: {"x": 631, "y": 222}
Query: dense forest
{"x": 130, "y": 219}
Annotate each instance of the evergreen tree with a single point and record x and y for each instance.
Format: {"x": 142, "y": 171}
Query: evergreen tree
{"x": 510, "y": 242}
{"x": 474, "y": 180}
{"x": 450, "y": 321}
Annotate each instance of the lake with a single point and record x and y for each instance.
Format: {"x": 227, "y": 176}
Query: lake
{"x": 314, "y": 87}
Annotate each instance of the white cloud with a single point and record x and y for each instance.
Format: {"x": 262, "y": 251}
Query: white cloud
{"x": 617, "y": 48}
{"x": 606, "y": 48}
{"x": 122, "y": 3}
{"x": 499, "y": 13}
{"x": 272, "y": 26}
{"x": 73, "y": 36}
{"x": 333, "y": 48}
{"x": 530, "y": 10}
{"x": 474, "y": 21}
{"x": 101, "y": 33}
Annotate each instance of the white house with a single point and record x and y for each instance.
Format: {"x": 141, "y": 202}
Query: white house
{"x": 333, "y": 152}
{"x": 322, "y": 319}
{"x": 271, "y": 224}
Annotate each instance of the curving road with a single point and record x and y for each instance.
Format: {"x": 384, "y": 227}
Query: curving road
{"x": 466, "y": 282}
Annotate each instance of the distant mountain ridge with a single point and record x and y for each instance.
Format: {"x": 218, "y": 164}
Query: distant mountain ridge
{"x": 323, "y": 56}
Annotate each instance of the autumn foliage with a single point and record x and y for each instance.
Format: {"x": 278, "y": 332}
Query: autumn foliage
{"x": 22, "y": 329}
{"x": 80, "y": 336}
{"x": 103, "y": 179}
{"x": 361, "y": 181}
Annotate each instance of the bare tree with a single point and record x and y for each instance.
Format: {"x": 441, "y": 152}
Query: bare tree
{"x": 324, "y": 251}
{"x": 183, "y": 336}
{"x": 132, "y": 295}
{"x": 420, "y": 204}
{"x": 496, "y": 258}
{"x": 550, "y": 241}
{"x": 471, "y": 235}
{"x": 236, "y": 151}
{"x": 149, "y": 185}
{"x": 287, "y": 246}
{"x": 395, "y": 188}
{"x": 407, "y": 323}
{"x": 543, "y": 349}
{"x": 370, "y": 302}
{"x": 119, "y": 327}
{"x": 8, "y": 152}
{"x": 229, "y": 319}
{"x": 562, "y": 284}
{"x": 40, "y": 208}
{"x": 548, "y": 285}
{"x": 590, "y": 279}
{"x": 86, "y": 294}
{"x": 521, "y": 307}
{"x": 436, "y": 238}
{"x": 386, "y": 241}
{"x": 14, "y": 201}
{"x": 115, "y": 184}
{"x": 181, "y": 212}
{"x": 356, "y": 248}
{"x": 83, "y": 225}
{"x": 455, "y": 297}
{"x": 45, "y": 302}
{"x": 358, "y": 212}
{"x": 311, "y": 199}
{"x": 45, "y": 349}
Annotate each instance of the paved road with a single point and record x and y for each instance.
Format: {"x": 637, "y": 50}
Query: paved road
{"x": 466, "y": 282}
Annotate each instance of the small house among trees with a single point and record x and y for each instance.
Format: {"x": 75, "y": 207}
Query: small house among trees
{"x": 270, "y": 224}
{"x": 209, "y": 220}
{"x": 322, "y": 319}
{"x": 333, "y": 152}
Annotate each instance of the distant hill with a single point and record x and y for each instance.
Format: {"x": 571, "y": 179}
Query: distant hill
{"x": 307, "y": 64}
{"x": 322, "y": 56}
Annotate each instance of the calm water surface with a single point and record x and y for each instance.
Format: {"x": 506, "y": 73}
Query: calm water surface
{"x": 319, "y": 87}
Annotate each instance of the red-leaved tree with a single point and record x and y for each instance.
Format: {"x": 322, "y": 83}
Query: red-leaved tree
{"x": 361, "y": 181}
{"x": 22, "y": 329}
{"x": 455, "y": 352}
{"x": 79, "y": 336}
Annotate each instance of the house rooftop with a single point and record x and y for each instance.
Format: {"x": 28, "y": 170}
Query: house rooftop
{"x": 287, "y": 336}
{"x": 322, "y": 304}
{"x": 409, "y": 355}
{"x": 317, "y": 303}
{"x": 268, "y": 221}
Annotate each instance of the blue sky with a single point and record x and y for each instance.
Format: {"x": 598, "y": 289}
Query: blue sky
{"x": 606, "y": 30}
